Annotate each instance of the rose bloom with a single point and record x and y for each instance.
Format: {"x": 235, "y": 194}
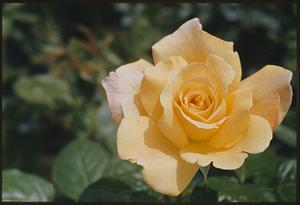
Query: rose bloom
{"x": 190, "y": 108}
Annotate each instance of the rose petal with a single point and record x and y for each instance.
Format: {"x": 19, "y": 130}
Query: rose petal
{"x": 237, "y": 121}
{"x": 216, "y": 110}
{"x": 254, "y": 140}
{"x": 180, "y": 126}
{"x": 154, "y": 80}
{"x": 257, "y": 137}
{"x": 222, "y": 69}
{"x": 168, "y": 123}
{"x": 230, "y": 160}
{"x": 266, "y": 83}
{"x": 194, "y": 45}
{"x": 268, "y": 108}
{"x": 202, "y": 154}
{"x": 195, "y": 70}
{"x": 195, "y": 87}
{"x": 139, "y": 140}
{"x": 190, "y": 101}
{"x": 121, "y": 87}
{"x": 194, "y": 129}
{"x": 219, "y": 113}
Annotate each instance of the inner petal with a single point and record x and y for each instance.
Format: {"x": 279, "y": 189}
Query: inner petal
{"x": 198, "y": 98}
{"x": 199, "y": 102}
{"x": 196, "y": 74}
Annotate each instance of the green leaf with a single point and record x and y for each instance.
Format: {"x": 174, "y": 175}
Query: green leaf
{"x": 260, "y": 168}
{"x": 127, "y": 172}
{"x": 201, "y": 193}
{"x": 244, "y": 193}
{"x": 287, "y": 192}
{"x": 43, "y": 89}
{"x": 230, "y": 190}
{"x": 79, "y": 164}
{"x": 113, "y": 190}
{"x": 130, "y": 173}
{"x": 20, "y": 186}
{"x": 221, "y": 183}
{"x": 286, "y": 135}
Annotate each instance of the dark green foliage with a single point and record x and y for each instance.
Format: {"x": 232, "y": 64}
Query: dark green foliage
{"x": 79, "y": 164}
{"x": 43, "y": 89}
{"x": 114, "y": 190}
{"x": 19, "y": 186}
{"x": 56, "y": 122}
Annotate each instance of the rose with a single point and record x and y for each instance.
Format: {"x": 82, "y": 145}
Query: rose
{"x": 191, "y": 108}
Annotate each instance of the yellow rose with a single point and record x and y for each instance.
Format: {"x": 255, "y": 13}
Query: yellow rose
{"x": 191, "y": 109}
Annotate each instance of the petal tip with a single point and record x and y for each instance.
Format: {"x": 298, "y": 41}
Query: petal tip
{"x": 194, "y": 23}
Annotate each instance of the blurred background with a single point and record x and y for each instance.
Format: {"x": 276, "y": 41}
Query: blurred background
{"x": 55, "y": 54}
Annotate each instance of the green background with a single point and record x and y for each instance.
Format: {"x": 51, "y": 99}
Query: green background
{"x": 58, "y": 139}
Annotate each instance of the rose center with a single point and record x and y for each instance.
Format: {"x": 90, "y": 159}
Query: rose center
{"x": 197, "y": 100}
{"x": 200, "y": 102}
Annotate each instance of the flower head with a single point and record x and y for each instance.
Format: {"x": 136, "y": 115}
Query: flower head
{"x": 191, "y": 109}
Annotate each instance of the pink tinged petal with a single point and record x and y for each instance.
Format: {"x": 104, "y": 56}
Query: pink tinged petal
{"x": 254, "y": 140}
{"x": 139, "y": 140}
{"x": 268, "y": 84}
{"x": 194, "y": 45}
{"x": 121, "y": 88}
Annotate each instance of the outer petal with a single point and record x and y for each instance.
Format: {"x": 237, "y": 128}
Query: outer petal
{"x": 121, "y": 88}
{"x": 268, "y": 108}
{"x": 194, "y": 45}
{"x": 254, "y": 140}
{"x": 237, "y": 121}
{"x": 139, "y": 140}
{"x": 257, "y": 137}
{"x": 268, "y": 84}
{"x": 154, "y": 80}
